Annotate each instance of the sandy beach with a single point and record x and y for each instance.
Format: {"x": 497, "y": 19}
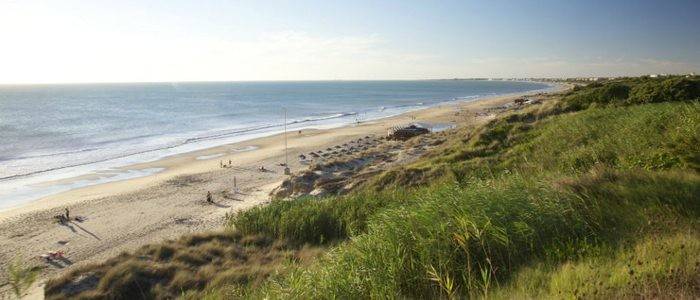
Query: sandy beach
{"x": 120, "y": 216}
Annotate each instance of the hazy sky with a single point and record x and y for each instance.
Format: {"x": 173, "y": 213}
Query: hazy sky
{"x": 116, "y": 41}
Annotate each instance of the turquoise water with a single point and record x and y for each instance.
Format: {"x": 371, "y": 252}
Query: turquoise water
{"x": 54, "y": 132}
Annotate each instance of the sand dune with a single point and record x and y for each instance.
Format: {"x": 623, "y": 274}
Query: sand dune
{"x": 123, "y": 215}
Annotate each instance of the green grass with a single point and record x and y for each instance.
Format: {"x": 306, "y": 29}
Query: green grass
{"x": 20, "y": 277}
{"x": 595, "y": 195}
{"x": 633, "y": 91}
{"x": 315, "y": 221}
{"x": 477, "y": 236}
{"x": 541, "y": 187}
{"x": 650, "y": 137}
{"x": 663, "y": 265}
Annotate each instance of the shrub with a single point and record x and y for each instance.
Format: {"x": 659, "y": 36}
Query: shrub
{"x": 604, "y": 94}
{"x": 672, "y": 89}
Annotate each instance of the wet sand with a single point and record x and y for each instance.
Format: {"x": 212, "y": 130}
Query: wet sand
{"x": 120, "y": 216}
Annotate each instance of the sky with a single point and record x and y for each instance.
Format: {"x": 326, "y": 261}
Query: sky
{"x": 68, "y": 41}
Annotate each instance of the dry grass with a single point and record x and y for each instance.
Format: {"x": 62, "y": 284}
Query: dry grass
{"x": 555, "y": 201}
{"x": 191, "y": 263}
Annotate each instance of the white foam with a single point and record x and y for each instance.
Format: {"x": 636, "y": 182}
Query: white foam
{"x": 205, "y": 157}
{"x": 20, "y": 192}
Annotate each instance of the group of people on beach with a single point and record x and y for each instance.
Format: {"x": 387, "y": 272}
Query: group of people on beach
{"x": 65, "y": 217}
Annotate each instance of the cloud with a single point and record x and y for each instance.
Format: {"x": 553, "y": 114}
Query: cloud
{"x": 72, "y": 54}
{"x": 90, "y": 56}
{"x": 299, "y": 56}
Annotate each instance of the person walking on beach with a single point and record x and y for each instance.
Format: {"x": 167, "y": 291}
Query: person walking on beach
{"x": 221, "y": 164}
{"x": 209, "y": 197}
{"x": 67, "y": 214}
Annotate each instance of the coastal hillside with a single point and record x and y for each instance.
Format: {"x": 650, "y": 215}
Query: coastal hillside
{"x": 592, "y": 193}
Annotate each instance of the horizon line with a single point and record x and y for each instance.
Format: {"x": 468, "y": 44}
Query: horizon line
{"x": 319, "y": 80}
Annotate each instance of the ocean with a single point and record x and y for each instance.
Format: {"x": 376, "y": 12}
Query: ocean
{"x": 55, "y": 132}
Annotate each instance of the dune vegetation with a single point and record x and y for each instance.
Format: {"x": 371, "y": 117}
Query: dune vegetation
{"x": 593, "y": 194}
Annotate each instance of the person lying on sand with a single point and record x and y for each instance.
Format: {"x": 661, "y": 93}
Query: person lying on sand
{"x": 52, "y": 255}
{"x": 262, "y": 169}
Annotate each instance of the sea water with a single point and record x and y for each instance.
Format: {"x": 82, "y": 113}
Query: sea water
{"x": 55, "y": 132}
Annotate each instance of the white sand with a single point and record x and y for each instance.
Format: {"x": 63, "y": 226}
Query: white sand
{"x": 124, "y": 215}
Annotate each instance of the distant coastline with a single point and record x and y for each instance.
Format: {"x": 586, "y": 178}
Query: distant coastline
{"x": 43, "y": 183}
{"x": 167, "y": 202}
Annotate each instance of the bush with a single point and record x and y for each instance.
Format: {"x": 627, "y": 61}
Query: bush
{"x": 601, "y": 94}
{"x": 633, "y": 91}
{"x": 672, "y": 89}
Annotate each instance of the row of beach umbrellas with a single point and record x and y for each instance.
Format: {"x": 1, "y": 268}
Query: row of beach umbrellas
{"x": 362, "y": 143}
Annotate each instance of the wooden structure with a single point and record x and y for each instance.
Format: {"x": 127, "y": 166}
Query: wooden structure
{"x": 402, "y": 133}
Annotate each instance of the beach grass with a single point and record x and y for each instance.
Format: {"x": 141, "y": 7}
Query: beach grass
{"x": 197, "y": 262}
{"x": 595, "y": 194}
{"x": 458, "y": 240}
{"x": 309, "y": 220}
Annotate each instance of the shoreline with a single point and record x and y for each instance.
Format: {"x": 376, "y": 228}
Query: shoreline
{"x": 124, "y": 215}
{"x": 161, "y": 165}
